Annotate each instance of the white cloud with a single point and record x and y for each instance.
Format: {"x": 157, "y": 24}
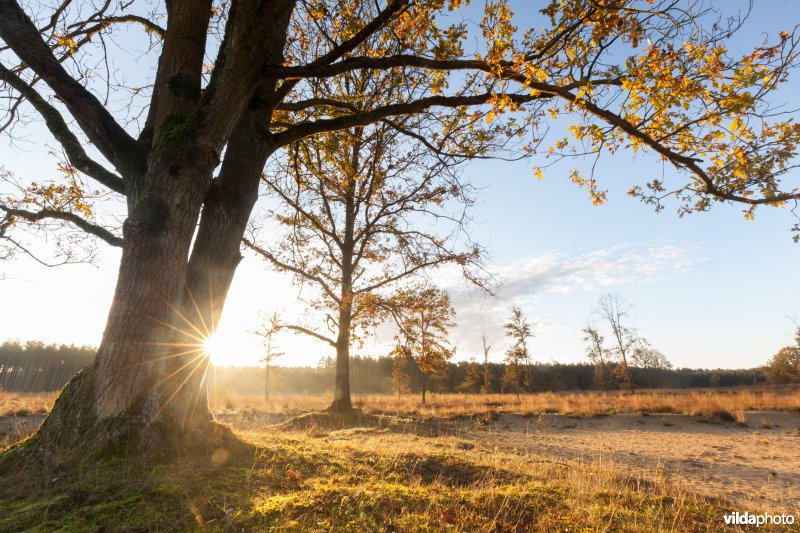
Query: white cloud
{"x": 618, "y": 265}
{"x": 556, "y": 274}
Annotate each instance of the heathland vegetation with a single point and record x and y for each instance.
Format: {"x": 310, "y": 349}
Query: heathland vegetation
{"x": 374, "y": 478}
{"x": 461, "y": 461}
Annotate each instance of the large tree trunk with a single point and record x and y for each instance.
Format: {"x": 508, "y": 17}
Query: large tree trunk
{"x": 143, "y": 382}
{"x": 149, "y": 378}
{"x": 146, "y": 387}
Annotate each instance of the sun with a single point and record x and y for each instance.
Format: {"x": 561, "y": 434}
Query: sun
{"x": 232, "y": 348}
{"x": 217, "y": 350}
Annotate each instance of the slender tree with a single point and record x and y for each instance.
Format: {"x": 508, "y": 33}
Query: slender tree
{"x": 401, "y": 381}
{"x": 486, "y": 387}
{"x": 473, "y": 378}
{"x": 598, "y": 355}
{"x": 363, "y": 210}
{"x": 630, "y": 348}
{"x": 423, "y": 315}
{"x": 518, "y": 375}
{"x": 179, "y": 151}
{"x": 269, "y": 328}
{"x": 614, "y": 311}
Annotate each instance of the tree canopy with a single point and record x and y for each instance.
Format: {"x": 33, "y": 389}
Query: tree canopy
{"x": 652, "y": 76}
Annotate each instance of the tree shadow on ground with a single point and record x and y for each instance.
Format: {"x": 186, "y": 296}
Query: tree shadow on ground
{"x": 324, "y": 474}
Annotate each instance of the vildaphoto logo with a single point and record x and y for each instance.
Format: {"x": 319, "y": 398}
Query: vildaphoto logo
{"x": 763, "y": 519}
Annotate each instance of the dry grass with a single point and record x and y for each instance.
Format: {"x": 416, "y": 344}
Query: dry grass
{"x": 15, "y": 430}
{"x": 26, "y": 404}
{"x": 358, "y": 479}
{"x": 16, "y": 412}
{"x": 727, "y": 404}
{"x": 721, "y": 404}
{"x": 392, "y": 476}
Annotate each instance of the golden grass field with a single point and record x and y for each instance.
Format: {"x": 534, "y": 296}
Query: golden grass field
{"x": 722, "y": 404}
{"x": 652, "y": 461}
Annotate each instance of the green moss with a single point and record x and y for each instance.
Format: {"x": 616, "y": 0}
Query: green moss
{"x": 176, "y": 134}
{"x": 149, "y": 216}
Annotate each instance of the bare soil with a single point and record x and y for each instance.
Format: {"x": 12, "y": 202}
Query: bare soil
{"x": 758, "y": 463}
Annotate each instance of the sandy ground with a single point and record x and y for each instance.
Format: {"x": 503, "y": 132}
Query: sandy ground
{"x": 758, "y": 464}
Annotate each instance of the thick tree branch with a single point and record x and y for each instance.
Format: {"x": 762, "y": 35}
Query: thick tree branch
{"x": 17, "y": 30}
{"x": 393, "y": 8}
{"x": 306, "y": 129}
{"x": 149, "y": 25}
{"x": 85, "y": 225}
{"x": 178, "y": 80}
{"x": 564, "y": 92}
{"x": 310, "y": 333}
{"x": 677, "y": 159}
{"x": 315, "y": 102}
{"x": 322, "y": 70}
{"x": 58, "y": 127}
{"x": 255, "y": 35}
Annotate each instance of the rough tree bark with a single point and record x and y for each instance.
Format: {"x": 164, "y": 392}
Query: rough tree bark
{"x": 146, "y": 385}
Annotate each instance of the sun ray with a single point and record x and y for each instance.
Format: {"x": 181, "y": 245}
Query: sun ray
{"x": 176, "y": 371}
{"x": 203, "y": 383}
{"x": 214, "y": 389}
{"x": 197, "y": 310}
{"x": 179, "y": 387}
{"x": 199, "y": 338}
{"x": 197, "y": 349}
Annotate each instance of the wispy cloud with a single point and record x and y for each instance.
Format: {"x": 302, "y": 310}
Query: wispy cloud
{"x": 552, "y": 273}
{"x": 629, "y": 263}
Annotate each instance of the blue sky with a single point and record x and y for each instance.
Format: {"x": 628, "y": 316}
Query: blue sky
{"x": 708, "y": 290}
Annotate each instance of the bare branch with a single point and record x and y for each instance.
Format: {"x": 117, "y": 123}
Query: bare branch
{"x": 82, "y": 223}
{"x": 149, "y": 25}
{"x": 310, "y": 333}
{"x": 280, "y": 264}
{"x": 55, "y": 123}
{"x": 17, "y": 30}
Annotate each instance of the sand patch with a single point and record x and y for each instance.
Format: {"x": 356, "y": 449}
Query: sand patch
{"x": 758, "y": 463}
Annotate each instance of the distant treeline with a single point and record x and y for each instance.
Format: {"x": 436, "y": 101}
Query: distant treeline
{"x": 374, "y": 376}
{"x": 37, "y": 367}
